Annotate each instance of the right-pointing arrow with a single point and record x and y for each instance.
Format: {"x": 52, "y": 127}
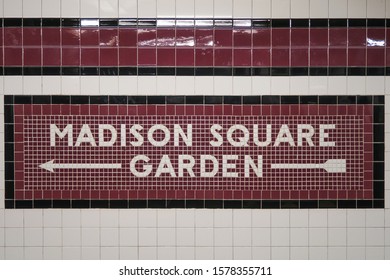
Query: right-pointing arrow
{"x": 331, "y": 165}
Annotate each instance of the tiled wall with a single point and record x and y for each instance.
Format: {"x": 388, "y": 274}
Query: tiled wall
{"x": 343, "y": 57}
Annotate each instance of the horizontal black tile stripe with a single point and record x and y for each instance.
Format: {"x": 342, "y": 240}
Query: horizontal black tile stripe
{"x": 195, "y": 22}
{"x": 195, "y": 71}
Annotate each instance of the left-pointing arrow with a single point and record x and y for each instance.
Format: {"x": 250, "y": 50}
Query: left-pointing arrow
{"x": 50, "y": 165}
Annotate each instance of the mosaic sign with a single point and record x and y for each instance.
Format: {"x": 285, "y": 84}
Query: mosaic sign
{"x": 193, "y": 155}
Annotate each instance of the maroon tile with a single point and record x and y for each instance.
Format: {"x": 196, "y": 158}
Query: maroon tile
{"x": 223, "y": 37}
{"x": 13, "y": 36}
{"x": 375, "y": 56}
{"x": 318, "y": 57}
{"x": 166, "y": 37}
{"x": 357, "y": 37}
{"x": 147, "y": 56}
{"x": 12, "y": 56}
{"x": 338, "y": 36}
{"x": 299, "y": 37}
{"x": 147, "y": 37}
{"x": 70, "y": 36}
{"x": 185, "y": 37}
{"x": 204, "y": 37}
{"x": 51, "y": 36}
{"x": 280, "y": 37}
{"x": 166, "y": 57}
{"x": 70, "y": 56}
{"x": 337, "y": 57}
{"x": 357, "y": 57}
{"x": 299, "y": 57}
{"x": 204, "y": 57}
{"x": 185, "y": 57}
{"x": 108, "y": 56}
{"x": 128, "y": 37}
{"x": 108, "y": 37}
{"x": 89, "y": 37}
{"x": 280, "y": 57}
{"x": 223, "y": 57}
{"x": 32, "y": 57}
{"x": 319, "y": 37}
{"x": 127, "y": 57}
{"x": 261, "y": 37}
{"x": 376, "y": 37}
{"x": 89, "y": 57}
{"x": 51, "y": 56}
{"x": 261, "y": 57}
{"x": 31, "y": 36}
{"x": 242, "y": 37}
{"x": 242, "y": 57}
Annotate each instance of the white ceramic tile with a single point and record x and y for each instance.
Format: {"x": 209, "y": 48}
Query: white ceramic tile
{"x": 109, "y": 237}
{"x": 71, "y": 218}
{"x": 147, "y": 218}
{"x": 242, "y": 8}
{"x": 387, "y": 8}
{"x": 109, "y": 253}
{"x": 166, "y": 85}
{"x": 299, "y": 236}
{"x": 51, "y": 85}
{"x": 280, "y": 85}
{"x": 318, "y": 253}
{"x": 356, "y": 237}
{"x": 375, "y": 218}
{"x": 223, "y": 85}
{"x": 356, "y": 218}
{"x": 318, "y": 236}
{"x": 147, "y": 8}
{"x": 71, "y": 237}
{"x": 108, "y": 9}
{"x": 185, "y": 85}
{"x": 204, "y": 218}
{"x": 223, "y": 8}
{"x": 280, "y": 237}
{"x": 280, "y": 8}
{"x": 2, "y": 237}
{"x": 1, "y": 8}
{"x": 261, "y": 218}
{"x": 261, "y": 253}
{"x": 280, "y": 218}
{"x": 242, "y": 218}
{"x": 204, "y": 85}
{"x": 299, "y": 218}
{"x": 185, "y": 253}
{"x": 318, "y": 85}
{"x": 223, "y": 253}
{"x": 223, "y": 237}
{"x": 128, "y": 253}
{"x": 166, "y": 218}
{"x": 185, "y": 237}
{"x": 14, "y": 253}
{"x": 375, "y": 253}
{"x": 147, "y": 236}
{"x": 166, "y": 237}
{"x": 71, "y": 85}
{"x": 89, "y": 8}
{"x": 337, "y": 253}
{"x": 90, "y": 253}
{"x": 147, "y": 253}
{"x": 204, "y": 8}
{"x": 300, "y": 8}
{"x": 70, "y": 8}
{"x": 89, "y": 85}
{"x": 318, "y": 218}
{"x": 52, "y": 237}
{"x": 376, "y": 8}
{"x": 185, "y": 9}
{"x": 32, "y": 8}
{"x": 375, "y": 236}
{"x": 387, "y": 236}
{"x": 337, "y": 236}
{"x": 242, "y": 253}
{"x": 33, "y": 218}
{"x": 261, "y": 8}
{"x": 338, "y": 8}
{"x": 109, "y": 218}
{"x": 52, "y": 253}
{"x": 166, "y": 253}
{"x": 337, "y": 85}
{"x": 204, "y": 253}
{"x": 204, "y": 236}
{"x": 166, "y": 8}
{"x": 90, "y": 218}
{"x": 128, "y": 237}
{"x": 375, "y": 85}
{"x": 280, "y": 253}
{"x": 109, "y": 85}
{"x": 71, "y": 253}
{"x": 185, "y": 218}
{"x": 242, "y": 237}
{"x": 147, "y": 85}
{"x": 127, "y": 8}
{"x": 33, "y": 237}
{"x": 357, "y": 8}
{"x": 2, "y": 218}
{"x": 90, "y": 237}
{"x": 13, "y": 85}
{"x": 242, "y": 85}
{"x": 223, "y": 218}
{"x": 51, "y": 8}
{"x": 261, "y": 236}
{"x": 13, "y": 218}
{"x": 337, "y": 218}
{"x": 13, "y": 8}
{"x": 387, "y": 217}
{"x": 33, "y": 253}
{"x": 299, "y": 253}
{"x": 299, "y": 85}
{"x": 128, "y": 217}
{"x": 319, "y": 9}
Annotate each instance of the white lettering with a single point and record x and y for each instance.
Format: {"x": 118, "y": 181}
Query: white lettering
{"x": 147, "y": 168}
{"x": 85, "y": 136}
{"x": 203, "y": 172}
{"x": 250, "y": 163}
{"x": 242, "y": 141}
{"x": 226, "y": 165}
{"x": 134, "y": 130}
{"x": 164, "y": 129}
{"x": 307, "y": 135}
{"x": 54, "y": 130}
{"x": 284, "y": 136}
{"x": 178, "y": 131}
{"x": 186, "y": 162}
{"x": 256, "y": 136}
{"x": 165, "y": 166}
{"x": 214, "y": 128}
{"x": 324, "y": 135}
{"x": 102, "y": 142}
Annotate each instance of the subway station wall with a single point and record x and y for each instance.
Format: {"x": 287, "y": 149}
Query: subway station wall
{"x": 261, "y": 129}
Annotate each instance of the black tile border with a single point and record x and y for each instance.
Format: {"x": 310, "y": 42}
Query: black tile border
{"x": 378, "y": 150}
{"x": 196, "y": 22}
{"x": 194, "y": 71}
